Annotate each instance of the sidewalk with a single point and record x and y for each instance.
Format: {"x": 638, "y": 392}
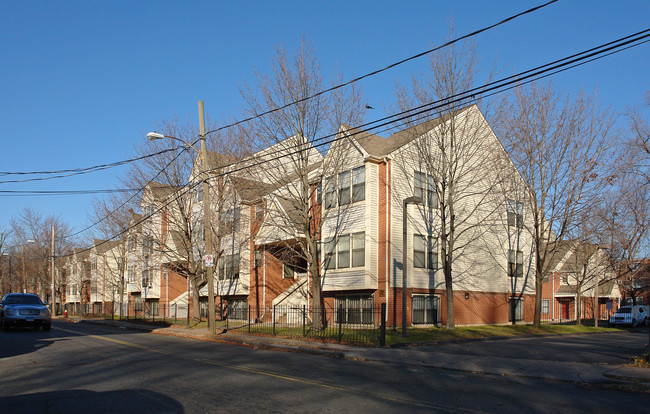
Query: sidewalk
{"x": 414, "y": 355}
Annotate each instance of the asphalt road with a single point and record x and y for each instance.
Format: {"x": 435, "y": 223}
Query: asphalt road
{"x": 99, "y": 369}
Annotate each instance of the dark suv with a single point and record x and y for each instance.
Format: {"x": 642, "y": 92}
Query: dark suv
{"x": 24, "y": 309}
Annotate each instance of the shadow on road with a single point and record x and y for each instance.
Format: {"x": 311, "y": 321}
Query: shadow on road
{"x": 78, "y": 401}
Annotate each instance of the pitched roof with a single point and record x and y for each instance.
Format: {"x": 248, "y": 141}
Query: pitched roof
{"x": 218, "y": 160}
{"x": 161, "y": 191}
{"x": 250, "y": 190}
{"x": 380, "y": 147}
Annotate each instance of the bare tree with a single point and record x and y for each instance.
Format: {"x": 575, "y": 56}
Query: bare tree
{"x": 295, "y": 131}
{"x": 563, "y": 148}
{"x": 33, "y": 233}
{"x": 459, "y": 158}
{"x": 5, "y": 268}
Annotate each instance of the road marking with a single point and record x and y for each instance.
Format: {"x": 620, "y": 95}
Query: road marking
{"x": 280, "y": 376}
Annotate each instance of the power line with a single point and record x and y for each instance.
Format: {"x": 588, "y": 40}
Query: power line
{"x": 375, "y": 72}
{"x": 79, "y": 171}
{"x": 468, "y": 96}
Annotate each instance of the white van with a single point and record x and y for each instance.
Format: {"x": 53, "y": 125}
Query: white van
{"x": 630, "y": 315}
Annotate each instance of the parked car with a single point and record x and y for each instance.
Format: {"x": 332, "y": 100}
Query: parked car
{"x": 630, "y": 315}
{"x": 24, "y": 309}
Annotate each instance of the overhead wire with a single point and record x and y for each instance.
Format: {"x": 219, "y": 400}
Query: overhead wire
{"x": 495, "y": 87}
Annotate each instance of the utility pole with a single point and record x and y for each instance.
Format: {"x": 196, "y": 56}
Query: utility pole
{"x": 53, "y": 273}
{"x": 207, "y": 228}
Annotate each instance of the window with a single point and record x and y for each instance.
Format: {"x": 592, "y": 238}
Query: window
{"x": 230, "y": 221}
{"x": 515, "y": 213}
{"x": 146, "y": 278}
{"x": 426, "y": 309}
{"x": 359, "y": 249}
{"x": 359, "y": 184}
{"x": 546, "y": 306}
{"x": 354, "y": 309}
{"x": 344, "y": 188}
{"x": 424, "y": 188}
{"x": 259, "y": 212}
{"x": 93, "y": 289}
{"x": 425, "y": 254}
{"x": 319, "y": 193}
{"x": 288, "y": 271}
{"x": 198, "y": 194}
{"x": 93, "y": 264}
{"x": 350, "y": 251}
{"x": 147, "y": 211}
{"x": 343, "y": 251}
{"x": 137, "y": 305}
{"x": 351, "y": 187}
{"x": 516, "y": 309}
{"x": 147, "y": 246}
{"x": 330, "y": 247}
{"x": 130, "y": 274}
{"x": 197, "y": 230}
{"x": 131, "y": 244}
{"x": 238, "y": 309}
{"x": 229, "y": 267}
{"x": 330, "y": 193}
{"x": 515, "y": 263}
{"x": 419, "y": 251}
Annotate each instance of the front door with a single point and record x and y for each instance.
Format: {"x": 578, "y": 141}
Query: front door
{"x": 565, "y": 310}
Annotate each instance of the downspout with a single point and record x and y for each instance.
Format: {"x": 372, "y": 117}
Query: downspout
{"x": 388, "y": 221}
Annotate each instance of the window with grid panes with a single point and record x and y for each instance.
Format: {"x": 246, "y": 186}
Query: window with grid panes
{"x": 354, "y": 309}
{"x": 426, "y": 309}
{"x": 516, "y": 309}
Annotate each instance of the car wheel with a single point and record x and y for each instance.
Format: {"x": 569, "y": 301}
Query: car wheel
{"x": 5, "y": 327}
{"x": 46, "y": 327}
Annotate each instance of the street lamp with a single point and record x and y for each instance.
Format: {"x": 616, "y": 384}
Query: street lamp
{"x": 206, "y": 210}
{"x": 407, "y": 201}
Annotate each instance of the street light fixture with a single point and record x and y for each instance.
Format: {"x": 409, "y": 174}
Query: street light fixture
{"x": 152, "y": 136}
{"x": 407, "y": 201}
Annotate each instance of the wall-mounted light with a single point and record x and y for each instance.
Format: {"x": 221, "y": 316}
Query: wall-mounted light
{"x": 466, "y": 295}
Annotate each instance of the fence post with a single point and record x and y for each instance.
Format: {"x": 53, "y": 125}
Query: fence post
{"x": 273, "y": 315}
{"x": 340, "y": 320}
{"x": 382, "y": 326}
{"x": 249, "y": 318}
{"x": 304, "y": 317}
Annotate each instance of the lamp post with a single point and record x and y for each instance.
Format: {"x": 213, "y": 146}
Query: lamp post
{"x": 407, "y": 201}
{"x": 206, "y": 210}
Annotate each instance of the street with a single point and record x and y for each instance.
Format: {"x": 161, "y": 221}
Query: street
{"x": 100, "y": 369}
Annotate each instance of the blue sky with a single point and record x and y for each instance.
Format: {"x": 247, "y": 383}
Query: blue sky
{"x": 82, "y": 82}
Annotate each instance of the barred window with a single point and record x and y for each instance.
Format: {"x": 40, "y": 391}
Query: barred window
{"x": 426, "y": 309}
{"x": 354, "y": 309}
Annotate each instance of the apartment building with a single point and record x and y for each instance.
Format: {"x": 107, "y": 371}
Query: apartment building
{"x": 346, "y": 209}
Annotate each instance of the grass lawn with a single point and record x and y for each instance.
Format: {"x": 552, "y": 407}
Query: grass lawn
{"x": 444, "y": 334}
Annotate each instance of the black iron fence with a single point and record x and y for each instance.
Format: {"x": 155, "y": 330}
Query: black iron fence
{"x": 360, "y": 325}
